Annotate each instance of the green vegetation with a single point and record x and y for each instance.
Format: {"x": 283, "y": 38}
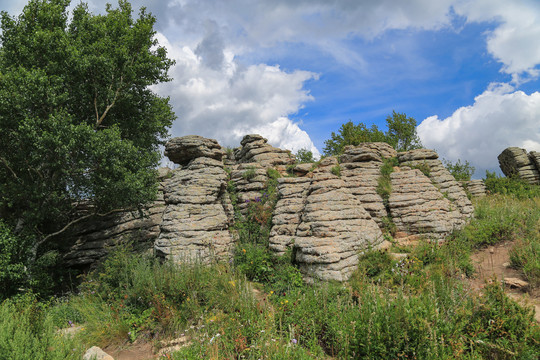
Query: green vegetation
{"x": 415, "y": 307}
{"x": 304, "y": 156}
{"x": 79, "y": 122}
{"x": 401, "y": 134}
{"x": 510, "y": 186}
{"x": 336, "y": 170}
{"x": 384, "y": 185}
{"x": 250, "y": 173}
{"x": 422, "y": 166}
{"x": 460, "y": 171}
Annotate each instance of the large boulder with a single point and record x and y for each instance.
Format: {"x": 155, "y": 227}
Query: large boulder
{"x": 418, "y": 207}
{"x": 182, "y": 150}
{"x": 197, "y": 215}
{"x": 514, "y": 161}
{"x": 255, "y": 149}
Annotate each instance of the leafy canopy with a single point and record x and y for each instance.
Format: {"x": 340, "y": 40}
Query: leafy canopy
{"x": 401, "y": 134}
{"x": 460, "y": 171}
{"x": 78, "y": 120}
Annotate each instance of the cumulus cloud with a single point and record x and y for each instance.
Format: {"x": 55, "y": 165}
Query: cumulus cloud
{"x": 515, "y": 41}
{"x": 228, "y": 101}
{"x": 500, "y": 117}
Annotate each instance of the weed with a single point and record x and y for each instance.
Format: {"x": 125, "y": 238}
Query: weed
{"x": 249, "y": 173}
{"x": 336, "y": 170}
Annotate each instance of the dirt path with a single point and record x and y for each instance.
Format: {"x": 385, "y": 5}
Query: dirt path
{"x": 493, "y": 262}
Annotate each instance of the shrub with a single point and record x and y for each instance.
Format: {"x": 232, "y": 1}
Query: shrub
{"x": 336, "y": 170}
{"x": 510, "y": 186}
{"x": 304, "y": 156}
{"x": 250, "y": 173}
{"x": 460, "y": 171}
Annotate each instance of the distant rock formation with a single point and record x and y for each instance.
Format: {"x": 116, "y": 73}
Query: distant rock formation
{"x": 327, "y": 212}
{"x": 515, "y": 161}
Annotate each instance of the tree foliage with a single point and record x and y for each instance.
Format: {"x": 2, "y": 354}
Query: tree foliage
{"x": 401, "y": 134}
{"x": 304, "y": 156}
{"x": 460, "y": 171}
{"x": 78, "y": 120}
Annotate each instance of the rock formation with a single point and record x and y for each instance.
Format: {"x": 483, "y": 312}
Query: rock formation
{"x": 198, "y": 210}
{"x": 476, "y": 188}
{"x": 517, "y": 162}
{"x": 327, "y": 213}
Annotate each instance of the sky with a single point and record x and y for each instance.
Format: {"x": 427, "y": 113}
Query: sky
{"x": 294, "y": 71}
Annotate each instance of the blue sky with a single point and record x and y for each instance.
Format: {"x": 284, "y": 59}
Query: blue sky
{"x": 295, "y": 70}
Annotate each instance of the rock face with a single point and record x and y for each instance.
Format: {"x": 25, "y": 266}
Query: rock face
{"x": 184, "y": 149}
{"x": 327, "y": 213}
{"x": 440, "y": 177}
{"x": 476, "y": 188}
{"x": 516, "y": 162}
{"x": 361, "y": 170}
{"x": 256, "y": 149}
{"x": 418, "y": 207}
{"x": 197, "y": 215}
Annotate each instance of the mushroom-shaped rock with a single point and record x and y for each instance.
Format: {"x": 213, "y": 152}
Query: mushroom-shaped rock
{"x": 182, "y": 150}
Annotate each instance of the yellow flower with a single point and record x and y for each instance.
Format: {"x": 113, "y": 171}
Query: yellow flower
{"x": 244, "y": 251}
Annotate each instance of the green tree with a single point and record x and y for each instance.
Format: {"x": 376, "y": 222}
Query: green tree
{"x": 304, "y": 156}
{"x": 350, "y": 134}
{"x": 401, "y": 132}
{"x": 78, "y": 120}
{"x": 460, "y": 171}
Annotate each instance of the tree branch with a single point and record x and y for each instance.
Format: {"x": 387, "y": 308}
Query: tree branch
{"x": 9, "y": 168}
{"x": 117, "y": 92}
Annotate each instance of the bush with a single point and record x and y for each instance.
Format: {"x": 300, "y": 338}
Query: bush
{"x": 14, "y": 252}
{"x": 304, "y": 156}
{"x": 250, "y": 173}
{"x": 510, "y": 186}
{"x": 27, "y": 332}
{"x": 460, "y": 171}
{"x": 336, "y": 170}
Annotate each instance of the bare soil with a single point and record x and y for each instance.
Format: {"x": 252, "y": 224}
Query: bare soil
{"x": 492, "y": 264}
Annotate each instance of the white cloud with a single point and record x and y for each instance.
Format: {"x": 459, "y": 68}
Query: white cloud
{"x": 499, "y": 118}
{"x": 515, "y": 42}
{"x": 223, "y": 100}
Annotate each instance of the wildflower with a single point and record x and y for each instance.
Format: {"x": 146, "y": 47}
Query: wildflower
{"x": 244, "y": 251}
{"x": 70, "y": 323}
{"x": 294, "y": 341}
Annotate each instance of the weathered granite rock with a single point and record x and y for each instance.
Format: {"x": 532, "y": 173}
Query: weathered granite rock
{"x": 95, "y": 353}
{"x": 288, "y": 212}
{"x": 182, "y": 150}
{"x": 90, "y": 240}
{"x": 197, "y": 216}
{"x": 327, "y": 216}
{"x": 535, "y": 158}
{"x": 476, "y": 188}
{"x": 418, "y": 207}
{"x": 334, "y": 228}
{"x": 255, "y": 149}
{"x": 440, "y": 177}
{"x": 417, "y": 154}
{"x": 361, "y": 173}
{"x": 516, "y": 162}
{"x": 367, "y": 151}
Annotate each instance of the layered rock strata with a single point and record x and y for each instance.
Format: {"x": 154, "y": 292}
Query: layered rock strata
{"x": 418, "y": 207}
{"x": 90, "y": 240}
{"x": 514, "y": 161}
{"x": 440, "y": 177}
{"x": 476, "y": 188}
{"x": 361, "y": 170}
{"x": 255, "y": 149}
{"x": 326, "y": 215}
{"x": 198, "y": 210}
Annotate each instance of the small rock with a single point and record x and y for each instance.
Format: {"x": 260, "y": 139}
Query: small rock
{"x": 95, "y": 353}
{"x": 492, "y": 250}
{"x": 506, "y": 264}
{"x": 398, "y": 256}
{"x": 516, "y": 283}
